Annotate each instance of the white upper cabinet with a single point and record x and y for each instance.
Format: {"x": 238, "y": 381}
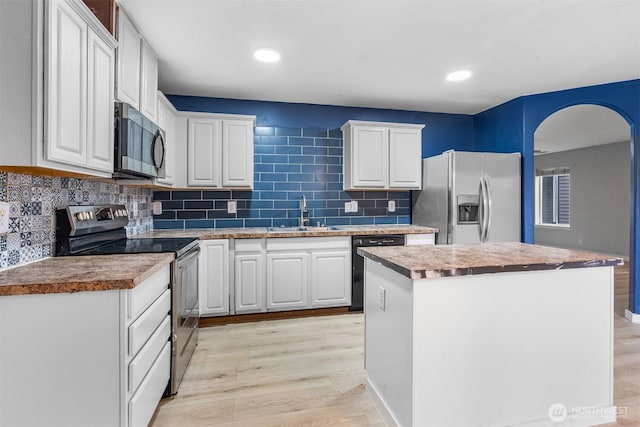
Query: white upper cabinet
{"x": 66, "y": 89}
{"x": 129, "y": 42}
{"x": 220, "y": 151}
{"x": 137, "y": 82}
{"x": 101, "y": 83}
{"x": 204, "y": 153}
{"x": 382, "y": 156}
{"x": 148, "y": 81}
{"x": 167, "y": 122}
{"x": 237, "y": 153}
{"x": 79, "y": 83}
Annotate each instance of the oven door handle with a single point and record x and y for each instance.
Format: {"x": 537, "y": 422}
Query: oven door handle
{"x": 191, "y": 254}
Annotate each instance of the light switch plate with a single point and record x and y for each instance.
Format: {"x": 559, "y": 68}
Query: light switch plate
{"x": 382, "y": 298}
{"x": 354, "y": 206}
{"x": 347, "y": 207}
{"x": 232, "y": 206}
{"x": 4, "y": 217}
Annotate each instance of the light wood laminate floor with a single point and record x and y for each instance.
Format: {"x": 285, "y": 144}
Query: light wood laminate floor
{"x": 309, "y": 372}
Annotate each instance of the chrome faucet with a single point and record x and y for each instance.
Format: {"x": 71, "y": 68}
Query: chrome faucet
{"x": 303, "y": 209}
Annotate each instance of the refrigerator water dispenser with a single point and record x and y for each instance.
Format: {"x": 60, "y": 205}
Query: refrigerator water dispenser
{"x": 467, "y": 208}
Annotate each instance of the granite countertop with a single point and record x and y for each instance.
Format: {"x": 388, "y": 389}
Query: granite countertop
{"x": 260, "y": 232}
{"x": 430, "y": 262}
{"x": 81, "y": 273}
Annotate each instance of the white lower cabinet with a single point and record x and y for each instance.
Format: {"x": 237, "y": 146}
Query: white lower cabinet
{"x": 331, "y": 278}
{"x": 97, "y": 358}
{"x": 249, "y": 274}
{"x": 308, "y": 272}
{"x": 213, "y": 278}
{"x": 287, "y": 280}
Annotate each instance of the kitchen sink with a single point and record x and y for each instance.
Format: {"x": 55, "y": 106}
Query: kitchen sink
{"x": 296, "y": 229}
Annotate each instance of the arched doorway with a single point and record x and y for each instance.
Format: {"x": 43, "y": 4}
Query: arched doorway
{"x": 582, "y": 179}
{"x": 582, "y": 167}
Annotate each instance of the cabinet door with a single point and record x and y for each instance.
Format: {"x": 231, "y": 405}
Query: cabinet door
{"x": 370, "y": 157}
{"x": 287, "y": 281}
{"x": 249, "y": 282}
{"x": 405, "y": 158}
{"x": 204, "y": 150}
{"x": 128, "y": 61}
{"x": 214, "y": 277}
{"x": 237, "y": 153}
{"x": 101, "y": 82}
{"x": 166, "y": 122}
{"x": 330, "y": 278}
{"x": 66, "y": 88}
{"x": 148, "y": 81}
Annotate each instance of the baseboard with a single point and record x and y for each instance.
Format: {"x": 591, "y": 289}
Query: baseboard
{"x": 631, "y": 316}
{"x": 275, "y": 315}
{"x": 380, "y": 404}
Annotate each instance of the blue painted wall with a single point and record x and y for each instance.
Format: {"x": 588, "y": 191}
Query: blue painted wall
{"x": 442, "y": 131}
{"x": 510, "y": 127}
{"x": 298, "y": 151}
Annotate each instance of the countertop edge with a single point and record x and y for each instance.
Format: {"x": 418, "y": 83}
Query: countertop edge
{"x": 436, "y": 273}
{"x": 74, "y": 286}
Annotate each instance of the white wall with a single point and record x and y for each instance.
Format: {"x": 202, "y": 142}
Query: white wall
{"x": 600, "y": 190}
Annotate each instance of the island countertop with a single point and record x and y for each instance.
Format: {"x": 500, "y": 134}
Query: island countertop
{"x": 81, "y": 273}
{"x": 430, "y": 262}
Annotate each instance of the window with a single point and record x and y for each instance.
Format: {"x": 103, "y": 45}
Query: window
{"x": 553, "y": 194}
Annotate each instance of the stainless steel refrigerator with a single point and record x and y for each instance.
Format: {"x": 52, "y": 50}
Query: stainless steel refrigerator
{"x": 470, "y": 197}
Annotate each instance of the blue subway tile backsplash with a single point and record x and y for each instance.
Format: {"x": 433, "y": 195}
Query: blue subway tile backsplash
{"x": 289, "y": 163}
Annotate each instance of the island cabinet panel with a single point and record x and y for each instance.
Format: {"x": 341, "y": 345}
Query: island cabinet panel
{"x": 94, "y": 358}
{"x": 505, "y": 347}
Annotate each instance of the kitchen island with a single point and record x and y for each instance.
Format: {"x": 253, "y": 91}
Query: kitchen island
{"x": 489, "y": 334}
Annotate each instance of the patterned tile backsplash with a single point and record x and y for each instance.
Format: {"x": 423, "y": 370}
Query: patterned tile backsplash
{"x": 289, "y": 163}
{"x": 33, "y": 200}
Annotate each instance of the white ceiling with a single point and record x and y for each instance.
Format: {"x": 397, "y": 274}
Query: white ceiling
{"x": 580, "y": 126}
{"x": 390, "y": 54}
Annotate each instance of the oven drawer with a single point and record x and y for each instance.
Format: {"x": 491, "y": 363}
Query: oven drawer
{"x": 147, "y": 323}
{"x": 145, "y": 293}
{"x": 139, "y": 366}
{"x": 145, "y": 400}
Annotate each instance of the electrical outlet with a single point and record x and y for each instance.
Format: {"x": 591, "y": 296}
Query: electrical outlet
{"x": 382, "y": 298}
{"x": 232, "y": 206}
{"x": 391, "y": 206}
{"x": 4, "y": 217}
{"x": 347, "y": 207}
{"x": 156, "y": 208}
{"x": 354, "y": 206}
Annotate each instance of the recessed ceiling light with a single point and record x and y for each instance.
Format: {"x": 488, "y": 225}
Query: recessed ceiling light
{"x": 266, "y": 55}
{"x": 459, "y": 75}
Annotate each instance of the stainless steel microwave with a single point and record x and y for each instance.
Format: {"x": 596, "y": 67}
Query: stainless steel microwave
{"x": 139, "y": 145}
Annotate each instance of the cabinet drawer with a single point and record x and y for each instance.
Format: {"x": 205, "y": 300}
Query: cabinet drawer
{"x": 248, "y": 245}
{"x": 308, "y": 243}
{"x": 145, "y": 293}
{"x": 144, "y": 402}
{"x": 139, "y": 366}
{"x": 147, "y": 323}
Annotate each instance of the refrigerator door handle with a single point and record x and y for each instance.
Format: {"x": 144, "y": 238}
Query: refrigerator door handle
{"x": 487, "y": 191}
{"x": 481, "y": 211}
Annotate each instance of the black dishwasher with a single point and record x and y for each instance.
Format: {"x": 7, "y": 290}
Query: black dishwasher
{"x": 357, "y": 263}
